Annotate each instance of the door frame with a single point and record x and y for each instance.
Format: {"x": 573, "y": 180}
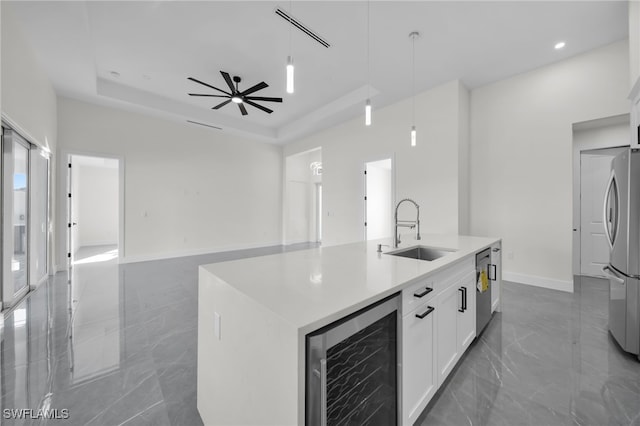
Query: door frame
{"x": 64, "y": 175}
{"x": 592, "y": 135}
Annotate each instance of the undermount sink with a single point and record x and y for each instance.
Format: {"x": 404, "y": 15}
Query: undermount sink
{"x": 421, "y": 252}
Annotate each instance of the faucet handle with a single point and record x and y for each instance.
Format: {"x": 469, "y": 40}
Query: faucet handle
{"x": 380, "y": 247}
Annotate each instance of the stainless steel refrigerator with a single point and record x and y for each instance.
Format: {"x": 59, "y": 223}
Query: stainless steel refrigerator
{"x": 622, "y": 231}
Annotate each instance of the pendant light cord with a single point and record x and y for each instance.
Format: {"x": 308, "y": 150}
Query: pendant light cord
{"x": 290, "y": 25}
{"x": 413, "y": 79}
{"x": 368, "y": 50}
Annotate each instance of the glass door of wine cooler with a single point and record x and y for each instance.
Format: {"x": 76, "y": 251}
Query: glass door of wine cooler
{"x": 352, "y": 369}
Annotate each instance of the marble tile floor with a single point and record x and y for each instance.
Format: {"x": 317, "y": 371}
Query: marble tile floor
{"x": 546, "y": 359}
{"x": 116, "y": 345}
{"x": 112, "y": 344}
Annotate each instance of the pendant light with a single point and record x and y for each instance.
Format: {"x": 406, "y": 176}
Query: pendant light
{"x": 290, "y": 58}
{"x": 367, "y": 106}
{"x": 414, "y": 35}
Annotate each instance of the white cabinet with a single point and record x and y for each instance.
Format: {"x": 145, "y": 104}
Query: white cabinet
{"x": 435, "y": 334}
{"x": 447, "y": 332}
{"x": 456, "y": 321}
{"x": 418, "y": 363}
{"x": 495, "y": 273}
{"x": 466, "y": 320}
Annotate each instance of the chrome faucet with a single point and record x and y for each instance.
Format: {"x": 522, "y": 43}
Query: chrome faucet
{"x": 406, "y": 223}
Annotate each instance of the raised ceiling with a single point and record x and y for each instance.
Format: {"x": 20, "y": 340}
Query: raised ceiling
{"x": 155, "y": 45}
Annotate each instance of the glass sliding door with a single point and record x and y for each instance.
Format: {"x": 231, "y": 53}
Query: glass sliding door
{"x": 39, "y": 209}
{"x": 19, "y": 214}
{"x": 15, "y": 214}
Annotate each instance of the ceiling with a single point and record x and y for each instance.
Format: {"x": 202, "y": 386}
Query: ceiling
{"x": 155, "y": 45}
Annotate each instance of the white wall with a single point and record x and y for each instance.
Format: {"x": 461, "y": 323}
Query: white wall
{"x": 521, "y": 156}
{"x": 97, "y": 197}
{"x": 428, "y": 173}
{"x": 187, "y": 189}
{"x": 27, "y": 98}
{"x": 634, "y": 40}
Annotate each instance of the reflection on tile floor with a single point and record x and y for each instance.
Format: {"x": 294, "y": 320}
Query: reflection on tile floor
{"x": 117, "y": 346}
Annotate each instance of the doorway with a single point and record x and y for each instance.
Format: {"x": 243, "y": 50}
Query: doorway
{"x": 378, "y": 199}
{"x": 603, "y": 137}
{"x": 93, "y": 209}
{"x": 595, "y": 169}
{"x": 302, "y": 213}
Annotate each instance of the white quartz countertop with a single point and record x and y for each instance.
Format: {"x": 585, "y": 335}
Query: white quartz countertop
{"x": 312, "y": 288}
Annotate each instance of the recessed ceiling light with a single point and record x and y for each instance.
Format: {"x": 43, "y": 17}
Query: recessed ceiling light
{"x": 560, "y": 45}
{"x": 114, "y": 74}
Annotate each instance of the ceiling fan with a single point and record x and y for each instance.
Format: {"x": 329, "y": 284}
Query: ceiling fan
{"x": 236, "y": 96}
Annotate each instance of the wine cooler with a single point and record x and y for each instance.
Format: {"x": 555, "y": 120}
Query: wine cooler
{"x": 352, "y": 369}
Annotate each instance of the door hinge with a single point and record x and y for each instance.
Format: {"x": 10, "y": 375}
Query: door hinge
{"x": 365, "y": 198}
{"x": 365, "y": 224}
{"x": 69, "y": 255}
{"x": 69, "y": 165}
{"x": 69, "y": 195}
{"x": 69, "y": 225}
{"x": 365, "y": 172}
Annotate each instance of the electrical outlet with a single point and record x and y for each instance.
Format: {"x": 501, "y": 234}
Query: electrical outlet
{"x": 217, "y": 325}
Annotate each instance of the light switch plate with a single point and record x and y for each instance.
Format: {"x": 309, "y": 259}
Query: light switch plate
{"x": 217, "y": 328}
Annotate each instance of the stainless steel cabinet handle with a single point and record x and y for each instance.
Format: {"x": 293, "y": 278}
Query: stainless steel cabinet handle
{"x": 425, "y": 313}
{"x": 613, "y": 274}
{"x": 323, "y": 392}
{"x": 462, "y": 291}
{"x": 495, "y": 272}
{"x": 464, "y": 299}
{"x": 423, "y": 293}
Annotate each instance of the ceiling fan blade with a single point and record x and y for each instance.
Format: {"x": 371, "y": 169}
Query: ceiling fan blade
{"x": 212, "y": 96}
{"x": 222, "y": 104}
{"x": 255, "y": 88}
{"x": 208, "y": 85}
{"x": 265, "y": 109}
{"x": 227, "y": 78}
{"x": 243, "y": 110}
{"x": 262, "y": 98}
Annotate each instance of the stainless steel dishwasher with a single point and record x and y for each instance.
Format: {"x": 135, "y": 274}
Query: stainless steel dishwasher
{"x": 352, "y": 368}
{"x": 483, "y": 290}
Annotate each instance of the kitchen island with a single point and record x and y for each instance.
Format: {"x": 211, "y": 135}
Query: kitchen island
{"x": 254, "y": 315}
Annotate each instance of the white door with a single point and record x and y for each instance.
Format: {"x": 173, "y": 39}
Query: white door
{"x": 378, "y": 199}
{"x": 594, "y": 250}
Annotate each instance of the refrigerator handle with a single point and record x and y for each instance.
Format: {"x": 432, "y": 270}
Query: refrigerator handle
{"x": 613, "y": 274}
{"x": 606, "y": 217}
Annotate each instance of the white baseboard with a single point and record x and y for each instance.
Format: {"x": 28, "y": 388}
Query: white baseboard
{"x": 185, "y": 253}
{"x": 538, "y": 281}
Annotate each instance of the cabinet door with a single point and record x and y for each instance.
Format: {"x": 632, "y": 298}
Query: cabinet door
{"x": 447, "y": 332}
{"x": 496, "y": 275}
{"x": 418, "y": 366}
{"x": 466, "y": 312}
